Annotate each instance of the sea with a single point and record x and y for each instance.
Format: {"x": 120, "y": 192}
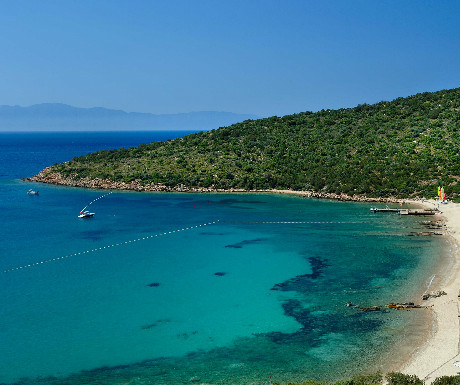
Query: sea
{"x": 196, "y": 288}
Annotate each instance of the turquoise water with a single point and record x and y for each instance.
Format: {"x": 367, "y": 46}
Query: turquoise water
{"x": 225, "y": 288}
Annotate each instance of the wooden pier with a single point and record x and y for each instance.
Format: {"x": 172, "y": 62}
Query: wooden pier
{"x": 405, "y": 211}
{"x": 418, "y": 212}
{"x": 384, "y": 210}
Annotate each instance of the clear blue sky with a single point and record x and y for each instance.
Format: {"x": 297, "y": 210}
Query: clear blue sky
{"x": 271, "y": 57}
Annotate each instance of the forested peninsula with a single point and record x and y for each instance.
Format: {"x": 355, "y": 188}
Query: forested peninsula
{"x": 401, "y": 149}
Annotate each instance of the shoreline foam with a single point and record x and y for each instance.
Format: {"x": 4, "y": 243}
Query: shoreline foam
{"x": 435, "y": 357}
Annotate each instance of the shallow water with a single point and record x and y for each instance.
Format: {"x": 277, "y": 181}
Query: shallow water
{"x": 257, "y": 296}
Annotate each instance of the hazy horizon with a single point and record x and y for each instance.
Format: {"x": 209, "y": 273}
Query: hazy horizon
{"x": 248, "y": 57}
{"x": 63, "y": 117}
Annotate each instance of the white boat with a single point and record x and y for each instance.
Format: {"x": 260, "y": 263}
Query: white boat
{"x": 86, "y": 214}
{"x": 32, "y": 192}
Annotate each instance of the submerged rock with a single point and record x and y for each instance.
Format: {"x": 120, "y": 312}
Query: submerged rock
{"x": 372, "y": 308}
{"x": 149, "y": 326}
{"x": 434, "y": 294}
{"x": 404, "y": 305}
{"x": 239, "y": 245}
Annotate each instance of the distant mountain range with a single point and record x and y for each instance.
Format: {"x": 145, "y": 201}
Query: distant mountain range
{"x": 62, "y": 117}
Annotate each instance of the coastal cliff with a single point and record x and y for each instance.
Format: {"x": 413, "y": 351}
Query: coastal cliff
{"x": 392, "y": 150}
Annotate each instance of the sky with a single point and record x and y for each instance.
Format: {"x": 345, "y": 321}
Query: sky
{"x": 272, "y": 57}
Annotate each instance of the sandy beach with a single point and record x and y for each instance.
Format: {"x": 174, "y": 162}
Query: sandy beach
{"x": 436, "y": 357}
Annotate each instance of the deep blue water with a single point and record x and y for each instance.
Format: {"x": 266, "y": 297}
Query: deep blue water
{"x": 206, "y": 288}
{"x": 26, "y": 153}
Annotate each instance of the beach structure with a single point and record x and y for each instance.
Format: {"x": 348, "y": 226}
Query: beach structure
{"x": 386, "y": 209}
{"x": 441, "y": 194}
{"x": 405, "y": 211}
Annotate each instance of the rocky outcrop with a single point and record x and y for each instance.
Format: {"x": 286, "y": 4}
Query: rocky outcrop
{"x": 50, "y": 177}
{"x": 404, "y": 305}
{"x": 433, "y": 294}
{"x": 47, "y": 176}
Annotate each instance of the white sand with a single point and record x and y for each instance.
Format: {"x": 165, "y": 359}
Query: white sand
{"x": 436, "y": 357}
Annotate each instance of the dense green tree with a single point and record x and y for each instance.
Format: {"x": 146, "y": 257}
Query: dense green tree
{"x": 447, "y": 380}
{"x": 403, "y": 379}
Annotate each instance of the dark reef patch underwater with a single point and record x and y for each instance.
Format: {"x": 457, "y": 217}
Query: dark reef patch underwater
{"x": 154, "y": 284}
{"x": 246, "y": 242}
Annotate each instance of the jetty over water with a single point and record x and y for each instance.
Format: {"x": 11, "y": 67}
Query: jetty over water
{"x": 405, "y": 211}
{"x": 384, "y": 210}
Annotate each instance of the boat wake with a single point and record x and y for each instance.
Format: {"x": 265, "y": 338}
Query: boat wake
{"x": 86, "y": 214}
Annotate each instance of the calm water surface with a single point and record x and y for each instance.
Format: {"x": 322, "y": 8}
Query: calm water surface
{"x": 205, "y": 288}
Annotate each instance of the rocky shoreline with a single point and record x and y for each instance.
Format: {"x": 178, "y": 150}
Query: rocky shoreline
{"x": 49, "y": 177}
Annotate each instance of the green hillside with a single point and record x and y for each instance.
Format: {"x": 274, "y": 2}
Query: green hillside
{"x": 403, "y": 148}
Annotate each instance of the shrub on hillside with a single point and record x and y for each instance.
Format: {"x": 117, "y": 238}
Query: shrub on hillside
{"x": 403, "y": 379}
{"x": 447, "y": 380}
{"x": 371, "y": 379}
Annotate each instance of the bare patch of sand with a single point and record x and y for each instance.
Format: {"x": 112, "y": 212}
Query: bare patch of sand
{"x": 436, "y": 357}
